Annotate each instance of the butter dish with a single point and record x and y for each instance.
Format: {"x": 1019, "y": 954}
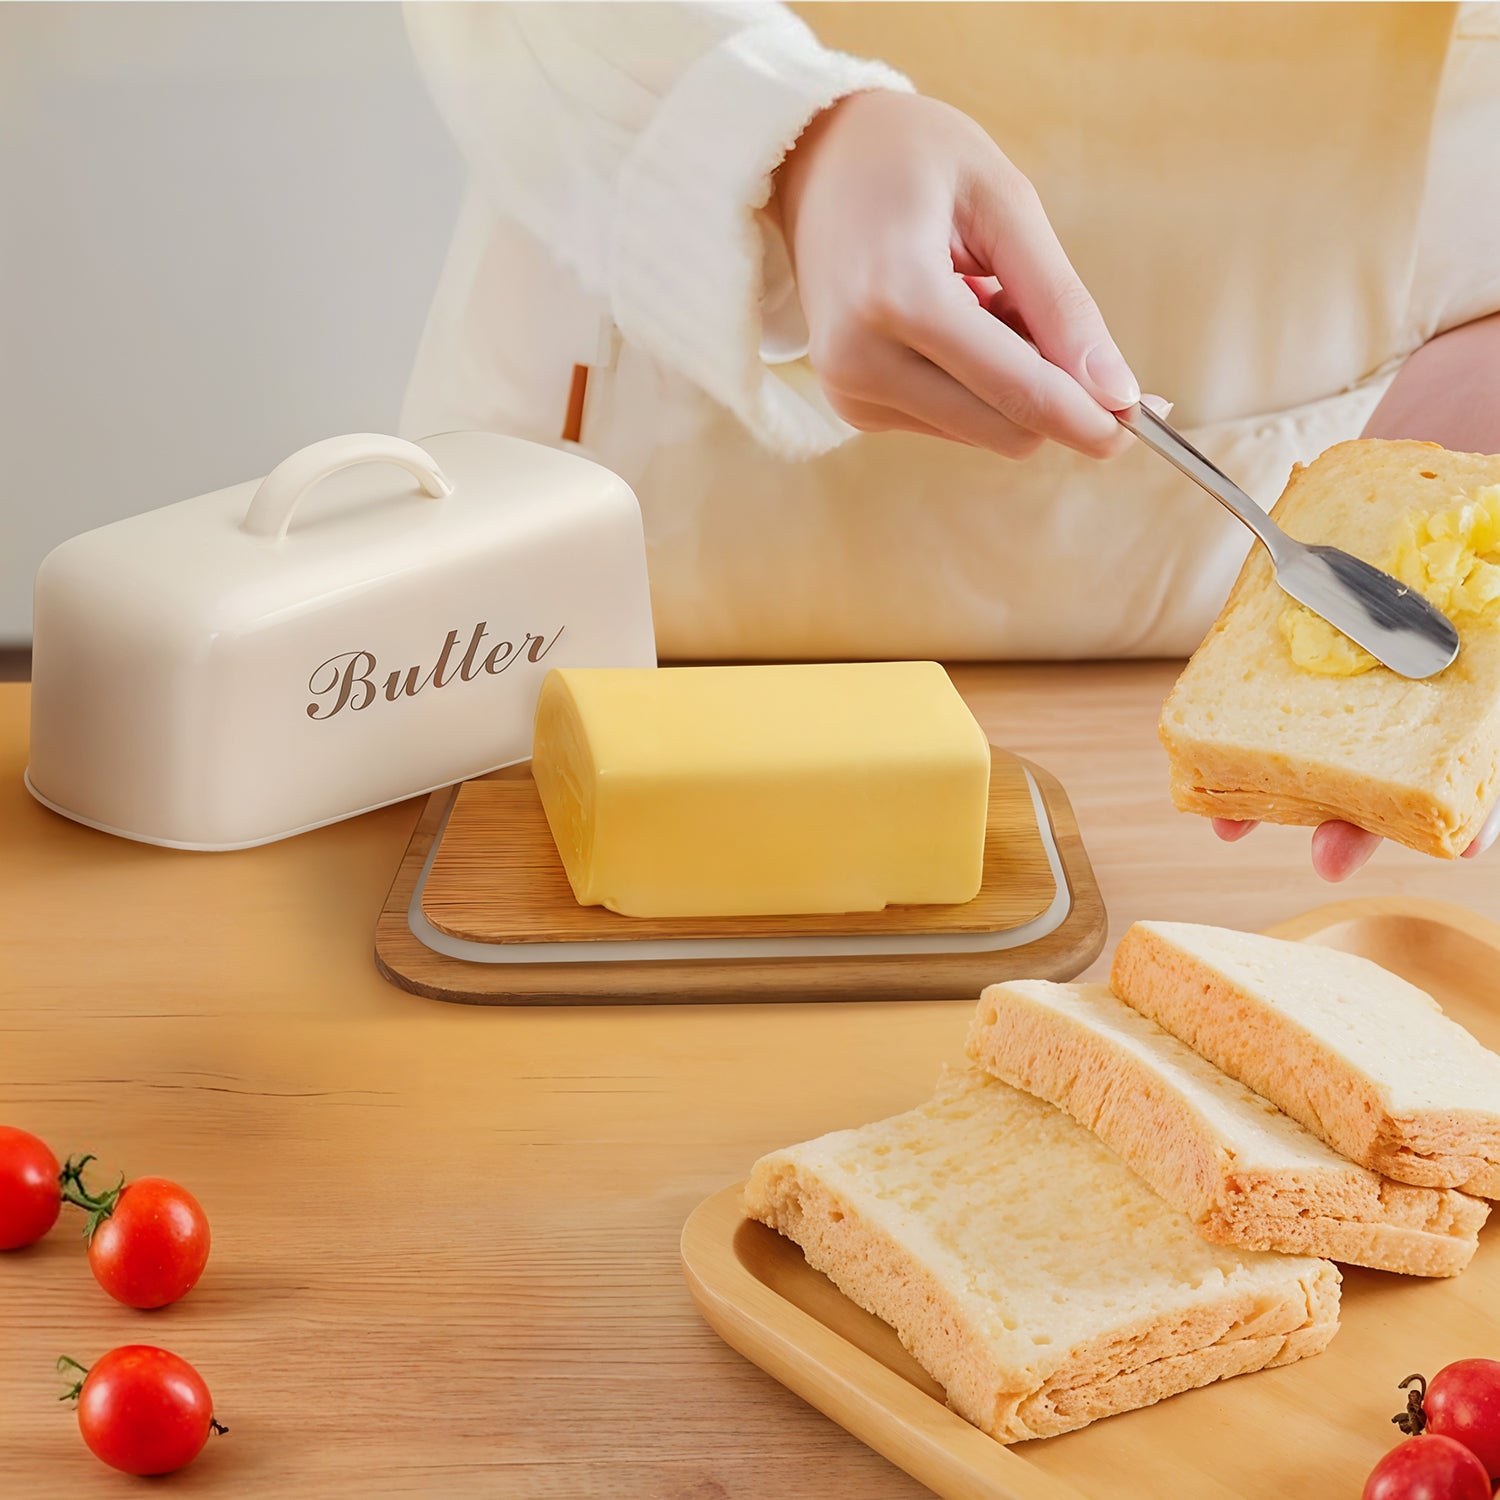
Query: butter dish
{"x": 371, "y": 621}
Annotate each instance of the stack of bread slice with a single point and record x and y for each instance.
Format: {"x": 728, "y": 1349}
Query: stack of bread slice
{"x": 1243, "y": 1172}
{"x": 1139, "y": 1188}
{"x": 1360, "y": 1057}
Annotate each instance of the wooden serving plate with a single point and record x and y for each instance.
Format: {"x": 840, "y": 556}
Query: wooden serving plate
{"x": 1310, "y": 1431}
{"x": 481, "y": 911}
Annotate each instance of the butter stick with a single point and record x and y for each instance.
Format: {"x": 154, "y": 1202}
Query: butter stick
{"x": 763, "y": 790}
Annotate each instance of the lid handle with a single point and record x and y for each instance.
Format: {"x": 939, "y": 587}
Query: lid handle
{"x": 281, "y": 491}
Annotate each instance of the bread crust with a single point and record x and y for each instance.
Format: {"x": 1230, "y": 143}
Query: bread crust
{"x": 1337, "y": 1210}
{"x": 1301, "y": 771}
{"x": 1301, "y": 1074}
{"x": 1223, "y": 782}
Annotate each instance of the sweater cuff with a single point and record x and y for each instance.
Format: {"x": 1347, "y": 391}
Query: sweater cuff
{"x": 688, "y": 263}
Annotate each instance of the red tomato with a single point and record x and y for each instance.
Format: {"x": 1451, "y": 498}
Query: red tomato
{"x": 152, "y": 1247}
{"x": 1463, "y": 1402}
{"x": 1428, "y": 1468}
{"x": 144, "y": 1411}
{"x": 29, "y": 1194}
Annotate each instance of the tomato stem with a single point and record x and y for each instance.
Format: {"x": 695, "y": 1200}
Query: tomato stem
{"x": 1413, "y": 1420}
{"x": 66, "y": 1364}
{"x": 98, "y": 1207}
{"x": 215, "y": 1425}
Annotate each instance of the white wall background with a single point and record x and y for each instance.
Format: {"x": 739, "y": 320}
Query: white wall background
{"x": 220, "y": 225}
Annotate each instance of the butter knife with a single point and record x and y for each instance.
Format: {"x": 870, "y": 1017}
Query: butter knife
{"x": 1394, "y": 623}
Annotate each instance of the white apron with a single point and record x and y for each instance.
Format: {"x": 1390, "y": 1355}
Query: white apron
{"x": 1273, "y": 204}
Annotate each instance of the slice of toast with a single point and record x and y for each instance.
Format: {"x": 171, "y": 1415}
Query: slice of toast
{"x": 1027, "y": 1268}
{"x": 1251, "y": 734}
{"x": 1245, "y": 1173}
{"x": 1363, "y": 1059}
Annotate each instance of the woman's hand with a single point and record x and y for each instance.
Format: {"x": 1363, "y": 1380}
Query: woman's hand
{"x": 937, "y": 297}
{"x": 1339, "y": 849}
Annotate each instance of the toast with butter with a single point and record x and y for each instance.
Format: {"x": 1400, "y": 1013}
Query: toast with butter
{"x": 1279, "y": 717}
{"x": 1027, "y": 1268}
{"x": 1245, "y": 1173}
{"x": 1362, "y": 1058}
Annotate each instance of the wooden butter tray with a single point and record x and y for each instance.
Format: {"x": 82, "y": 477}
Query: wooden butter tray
{"x": 1309, "y": 1431}
{"x": 481, "y": 912}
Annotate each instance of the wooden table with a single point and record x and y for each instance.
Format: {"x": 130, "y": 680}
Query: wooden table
{"x": 445, "y": 1238}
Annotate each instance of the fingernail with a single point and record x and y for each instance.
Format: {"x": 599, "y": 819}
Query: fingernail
{"x": 1106, "y": 367}
{"x": 1159, "y": 404}
{"x": 1486, "y": 835}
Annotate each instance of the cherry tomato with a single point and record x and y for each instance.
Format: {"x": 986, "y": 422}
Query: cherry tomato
{"x": 1463, "y": 1402}
{"x": 148, "y": 1239}
{"x": 152, "y": 1247}
{"x": 1428, "y": 1468}
{"x": 29, "y": 1193}
{"x": 144, "y": 1411}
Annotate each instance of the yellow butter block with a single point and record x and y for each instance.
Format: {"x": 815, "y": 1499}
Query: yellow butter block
{"x": 747, "y": 791}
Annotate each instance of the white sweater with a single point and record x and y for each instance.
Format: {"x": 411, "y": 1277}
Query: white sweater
{"x": 1271, "y": 223}
{"x": 637, "y": 142}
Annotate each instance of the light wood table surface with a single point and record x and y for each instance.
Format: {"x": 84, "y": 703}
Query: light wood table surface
{"x": 445, "y": 1238}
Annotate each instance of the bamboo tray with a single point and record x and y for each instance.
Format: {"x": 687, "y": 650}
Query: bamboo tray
{"x": 1310, "y": 1431}
{"x": 481, "y": 911}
